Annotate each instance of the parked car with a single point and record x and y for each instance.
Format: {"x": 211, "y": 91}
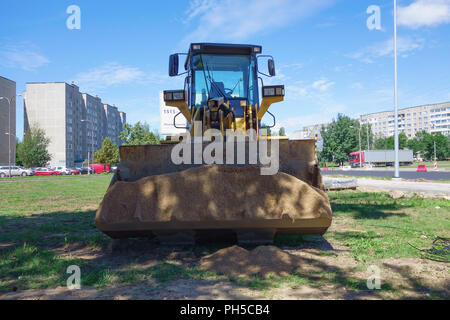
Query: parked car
{"x": 62, "y": 170}
{"x": 47, "y": 172}
{"x": 74, "y": 171}
{"x": 85, "y": 170}
{"x": 15, "y": 171}
{"x": 30, "y": 172}
{"x": 4, "y": 172}
{"x": 23, "y": 172}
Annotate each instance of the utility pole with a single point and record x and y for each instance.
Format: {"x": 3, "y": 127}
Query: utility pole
{"x": 435, "y": 159}
{"x": 8, "y": 133}
{"x": 368, "y": 140}
{"x": 396, "y": 144}
{"x": 92, "y": 143}
{"x": 360, "y": 151}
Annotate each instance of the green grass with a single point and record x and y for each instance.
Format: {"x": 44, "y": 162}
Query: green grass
{"x": 28, "y": 267}
{"x": 387, "y": 225}
{"x": 23, "y": 198}
{"x": 43, "y": 216}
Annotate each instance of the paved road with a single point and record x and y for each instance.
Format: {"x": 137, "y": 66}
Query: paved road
{"x": 402, "y": 185}
{"x": 430, "y": 175}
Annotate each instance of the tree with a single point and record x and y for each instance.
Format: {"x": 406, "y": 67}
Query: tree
{"x": 339, "y": 139}
{"x": 416, "y": 146}
{"x": 380, "y": 144}
{"x": 32, "y": 152}
{"x": 18, "y": 160}
{"x": 442, "y": 146}
{"x": 108, "y": 154}
{"x": 139, "y": 134}
{"x": 282, "y": 132}
{"x": 388, "y": 143}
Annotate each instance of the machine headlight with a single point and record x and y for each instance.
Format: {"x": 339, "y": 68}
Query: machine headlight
{"x": 174, "y": 95}
{"x": 273, "y": 91}
{"x": 257, "y": 49}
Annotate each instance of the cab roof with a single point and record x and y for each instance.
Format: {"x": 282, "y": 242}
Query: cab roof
{"x": 222, "y": 48}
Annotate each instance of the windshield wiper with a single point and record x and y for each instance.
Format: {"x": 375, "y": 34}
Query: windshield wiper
{"x": 211, "y": 80}
{"x": 204, "y": 75}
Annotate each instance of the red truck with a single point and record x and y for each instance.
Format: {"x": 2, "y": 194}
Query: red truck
{"x": 99, "y": 168}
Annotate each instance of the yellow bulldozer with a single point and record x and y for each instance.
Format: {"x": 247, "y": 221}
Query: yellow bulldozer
{"x": 223, "y": 177}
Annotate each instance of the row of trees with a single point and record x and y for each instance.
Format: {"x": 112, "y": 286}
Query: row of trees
{"x": 422, "y": 144}
{"x": 33, "y": 150}
{"x": 341, "y": 137}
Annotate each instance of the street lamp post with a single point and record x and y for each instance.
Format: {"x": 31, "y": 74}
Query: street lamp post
{"x": 8, "y": 133}
{"x": 368, "y": 137}
{"x": 360, "y": 151}
{"x": 92, "y": 143}
{"x": 396, "y": 144}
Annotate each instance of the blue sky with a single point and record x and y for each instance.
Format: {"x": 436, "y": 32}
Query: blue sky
{"x": 326, "y": 56}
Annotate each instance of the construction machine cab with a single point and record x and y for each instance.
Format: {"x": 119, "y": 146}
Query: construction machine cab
{"x": 221, "y": 86}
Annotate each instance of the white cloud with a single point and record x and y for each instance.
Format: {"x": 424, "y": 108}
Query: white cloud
{"x": 424, "y": 13}
{"x": 296, "y": 91}
{"x": 235, "y": 20}
{"x": 356, "y": 85}
{"x": 405, "y": 45}
{"x": 322, "y": 84}
{"x": 24, "y": 56}
{"x": 112, "y": 74}
{"x": 313, "y": 90}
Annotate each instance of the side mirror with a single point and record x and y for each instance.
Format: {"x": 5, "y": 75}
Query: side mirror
{"x": 173, "y": 65}
{"x": 271, "y": 67}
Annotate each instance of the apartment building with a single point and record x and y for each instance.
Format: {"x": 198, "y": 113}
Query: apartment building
{"x": 76, "y": 122}
{"x": 114, "y": 120}
{"x": 432, "y": 118}
{"x": 7, "y": 121}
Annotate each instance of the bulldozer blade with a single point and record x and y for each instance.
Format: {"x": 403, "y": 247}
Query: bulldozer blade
{"x": 149, "y": 196}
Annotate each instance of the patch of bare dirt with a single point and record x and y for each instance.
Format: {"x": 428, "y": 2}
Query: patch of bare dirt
{"x": 416, "y": 277}
{"x": 193, "y": 290}
{"x": 80, "y": 251}
{"x": 261, "y": 261}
